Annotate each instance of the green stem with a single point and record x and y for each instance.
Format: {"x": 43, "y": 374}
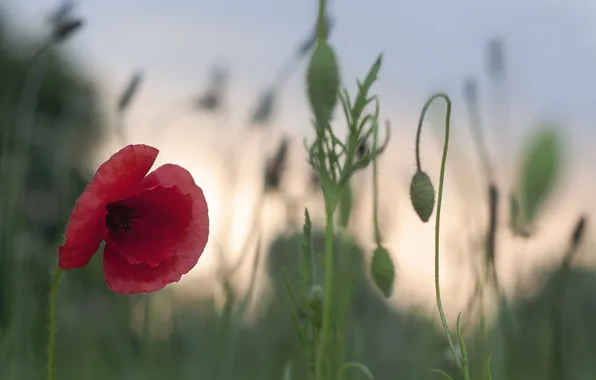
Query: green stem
{"x": 462, "y": 367}
{"x": 52, "y": 339}
{"x": 376, "y": 185}
{"x": 147, "y": 348}
{"x": 321, "y": 22}
{"x": 326, "y": 325}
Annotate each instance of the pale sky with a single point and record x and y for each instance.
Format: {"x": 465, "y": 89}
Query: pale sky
{"x": 428, "y": 45}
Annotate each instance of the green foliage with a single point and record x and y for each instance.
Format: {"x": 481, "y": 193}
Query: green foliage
{"x": 43, "y": 167}
{"x": 540, "y": 169}
{"x": 528, "y": 354}
{"x": 366, "y": 326}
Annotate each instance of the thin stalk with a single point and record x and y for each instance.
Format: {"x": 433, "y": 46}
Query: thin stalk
{"x": 321, "y": 22}
{"x": 52, "y": 316}
{"x": 233, "y": 323}
{"x": 562, "y": 277}
{"x": 323, "y": 348}
{"x": 463, "y": 367}
{"x": 146, "y": 337}
{"x": 376, "y": 185}
{"x": 26, "y": 109}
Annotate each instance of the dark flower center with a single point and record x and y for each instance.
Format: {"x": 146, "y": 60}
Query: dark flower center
{"x": 120, "y": 217}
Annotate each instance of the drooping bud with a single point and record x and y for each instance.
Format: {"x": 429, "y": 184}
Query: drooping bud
{"x": 322, "y": 81}
{"x": 422, "y": 195}
{"x": 383, "y": 271}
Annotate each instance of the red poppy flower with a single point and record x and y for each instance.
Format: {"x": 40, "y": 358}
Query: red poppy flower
{"x": 155, "y": 226}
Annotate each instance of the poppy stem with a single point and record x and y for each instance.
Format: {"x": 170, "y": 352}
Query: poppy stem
{"x": 461, "y": 363}
{"x": 52, "y": 339}
{"x": 323, "y": 347}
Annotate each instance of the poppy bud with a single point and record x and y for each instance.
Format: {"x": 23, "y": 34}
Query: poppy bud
{"x": 422, "y": 195}
{"x": 383, "y": 271}
{"x": 322, "y": 82}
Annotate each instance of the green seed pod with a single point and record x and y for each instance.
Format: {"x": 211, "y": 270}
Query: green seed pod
{"x": 422, "y": 195}
{"x": 322, "y": 81}
{"x": 383, "y": 271}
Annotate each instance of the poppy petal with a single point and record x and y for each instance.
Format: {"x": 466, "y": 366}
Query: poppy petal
{"x": 123, "y": 277}
{"x": 118, "y": 175}
{"x": 160, "y": 218}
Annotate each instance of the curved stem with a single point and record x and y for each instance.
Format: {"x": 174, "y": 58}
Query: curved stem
{"x": 419, "y": 131}
{"x": 52, "y": 339}
{"x": 438, "y": 218}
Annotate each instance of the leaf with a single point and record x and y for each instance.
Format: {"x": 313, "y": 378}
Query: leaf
{"x": 364, "y": 369}
{"x": 488, "y": 374}
{"x": 441, "y": 372}
{"x": 539, "y": 172}
{"x": 362, "y": 98}
{"x": 288, "y": 370}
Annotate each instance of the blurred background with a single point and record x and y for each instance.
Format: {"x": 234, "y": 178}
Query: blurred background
{"x": 219, "y": 88}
